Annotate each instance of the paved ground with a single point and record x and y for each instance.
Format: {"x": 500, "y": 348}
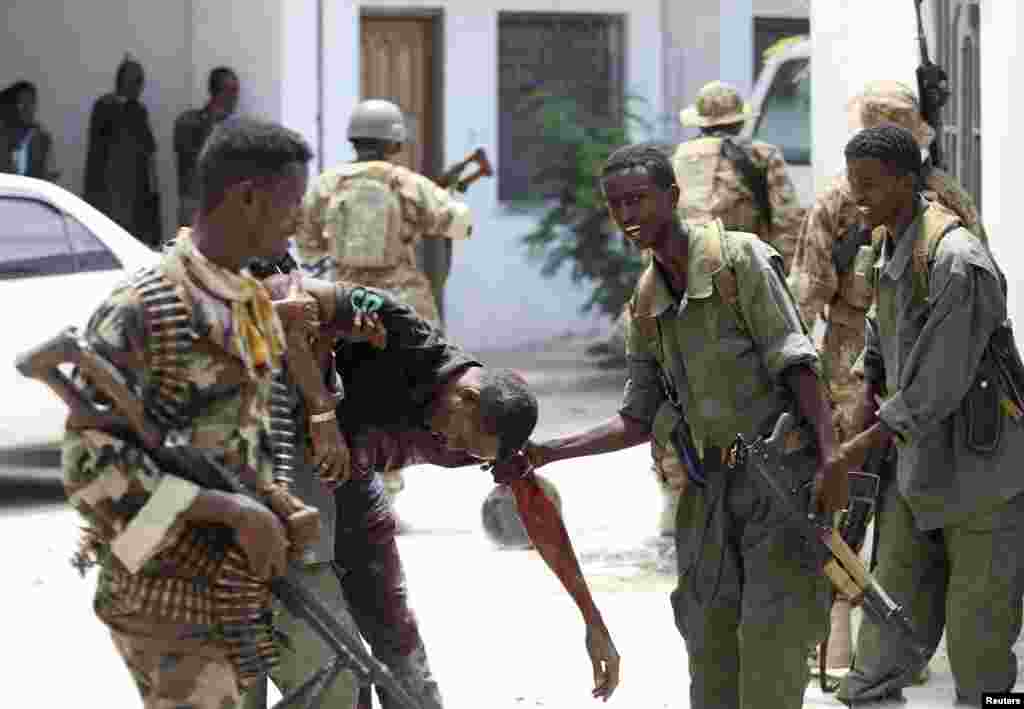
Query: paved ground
{"x": 501, "y": 632}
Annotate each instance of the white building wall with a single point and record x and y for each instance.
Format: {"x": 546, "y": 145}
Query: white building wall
{"x": 782, "y": 8}
{"x": 1001, "y": 153}
{"x": 704, "y": 40}
{"x": 71, "y": 50}
{"x": 495, "y": 298}
{"x": 851, "y": 47}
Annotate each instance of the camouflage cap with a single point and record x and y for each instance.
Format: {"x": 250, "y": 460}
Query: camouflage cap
{"x": 717, "y": 104}
{"x": 886, "y": 101}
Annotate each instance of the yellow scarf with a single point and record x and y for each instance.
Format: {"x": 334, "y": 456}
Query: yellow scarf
{"x": 254, "y": 333}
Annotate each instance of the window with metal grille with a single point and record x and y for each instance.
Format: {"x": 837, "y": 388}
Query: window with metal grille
{"x": 958, "y": 48}
{"x": 573, "y": 55}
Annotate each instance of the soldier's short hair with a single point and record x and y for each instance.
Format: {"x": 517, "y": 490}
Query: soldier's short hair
{"x": 508, "y": 409}
{"x": 243, "y": 149}
{"x": 217, "y": 78}
{"x": 651, "y": 156}
{"x": 889, "y": 143}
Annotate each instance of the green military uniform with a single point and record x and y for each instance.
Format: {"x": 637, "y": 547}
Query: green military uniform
{"x": 749, "y": 601}
{"x": 952, "y": 528}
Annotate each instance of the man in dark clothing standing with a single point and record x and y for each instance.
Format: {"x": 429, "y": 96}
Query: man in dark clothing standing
{"x": 120, "y": 171}
{"x": 191, "y": 130}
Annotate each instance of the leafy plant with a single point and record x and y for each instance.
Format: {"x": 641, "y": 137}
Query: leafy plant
{"x": 576, "y": 228}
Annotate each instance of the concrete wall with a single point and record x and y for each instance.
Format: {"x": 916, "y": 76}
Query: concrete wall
{"x": 852, "y": 47}
{"x": 782, "y": 8}
{"x": 705, "y": 40}
{"x": 495, "y": 297}
{"x": 1001, "y": 158}
{"x": 71, "y": 50}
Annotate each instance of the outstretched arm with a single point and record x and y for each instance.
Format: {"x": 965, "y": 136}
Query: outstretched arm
{"x": 547, "y": 532}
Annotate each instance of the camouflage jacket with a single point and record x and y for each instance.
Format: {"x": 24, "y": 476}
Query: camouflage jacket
{"x": 427, "y": 211}
{"x": 813, "y": 277}
{"x": 711, "y": 187}
{"x": 132, "y": 508}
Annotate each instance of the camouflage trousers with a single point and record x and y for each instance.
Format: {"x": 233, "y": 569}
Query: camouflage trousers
{"x": 843, "y": 345}
{"x": 171, "y": 672}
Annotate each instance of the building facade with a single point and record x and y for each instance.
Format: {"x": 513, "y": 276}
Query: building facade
{"x": 457, "y": 68}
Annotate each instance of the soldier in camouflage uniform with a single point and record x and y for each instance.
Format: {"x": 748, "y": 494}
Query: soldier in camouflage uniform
{"x": 172, "y": 554}
{"x": 362, "y": 221}
{"x": 713, "y": 185}
{"x": 825, "y": 283}
{"x": 714, "y": 334}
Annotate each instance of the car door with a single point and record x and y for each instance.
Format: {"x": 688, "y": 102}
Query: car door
{"x": 53, "y": 273}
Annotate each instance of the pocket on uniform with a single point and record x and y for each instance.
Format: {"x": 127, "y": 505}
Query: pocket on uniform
{"x": 981, "y": 411}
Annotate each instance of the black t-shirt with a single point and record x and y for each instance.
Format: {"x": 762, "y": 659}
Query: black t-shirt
{"x": 392, "y": 389}
{"x": 388, "y": 389}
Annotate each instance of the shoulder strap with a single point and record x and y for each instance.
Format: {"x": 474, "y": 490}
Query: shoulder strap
{"x": 754, "y": 178}
{"x": 936, "y": 222}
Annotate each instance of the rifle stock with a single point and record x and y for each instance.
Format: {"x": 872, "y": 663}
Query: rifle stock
{"x": 452, "y": 176}
{"x": 843, "y": 567}
{"x": 128, "y": 416}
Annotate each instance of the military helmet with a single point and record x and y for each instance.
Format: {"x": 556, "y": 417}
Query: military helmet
{"x": 377, "y": 119}
{"x": 885, "y": 101}
{"x": 717, "y": 104}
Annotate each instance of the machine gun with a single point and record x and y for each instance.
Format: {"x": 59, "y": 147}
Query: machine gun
{"x": 842, "y": 566}
{"x": 452, "y": 177}
{"x": 127, "y": 418}
{"x": 933, "y": 91}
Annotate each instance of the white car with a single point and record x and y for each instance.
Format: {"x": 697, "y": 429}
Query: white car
{"x": 782, "y": 99}
{"x": 59, "y": 258}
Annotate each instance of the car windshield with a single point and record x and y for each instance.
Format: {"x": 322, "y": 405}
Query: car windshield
{"x": 785, "y": 118}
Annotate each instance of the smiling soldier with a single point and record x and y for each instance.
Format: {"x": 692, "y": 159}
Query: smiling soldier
{"x": 714, "y": 335}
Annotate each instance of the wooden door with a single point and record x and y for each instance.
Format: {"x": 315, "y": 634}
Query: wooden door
{"x": 397, "y": 66}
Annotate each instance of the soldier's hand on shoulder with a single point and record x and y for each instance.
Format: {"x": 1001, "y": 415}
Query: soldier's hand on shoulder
{"x": 513, "y": 468}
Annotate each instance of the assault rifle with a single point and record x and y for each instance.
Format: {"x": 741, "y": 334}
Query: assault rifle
{"x": 933, "y": 91}
{"x": 127, "y": 418}
{"x": 842, "y": 566}
{"x": 452, "y": 177}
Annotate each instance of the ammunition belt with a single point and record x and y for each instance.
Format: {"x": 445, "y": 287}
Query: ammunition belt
{"x": 284, "y": 433}
{"x": 207, "y": 579}
{"x": 169, "y": 334}
{"x": 204, "y": 580}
